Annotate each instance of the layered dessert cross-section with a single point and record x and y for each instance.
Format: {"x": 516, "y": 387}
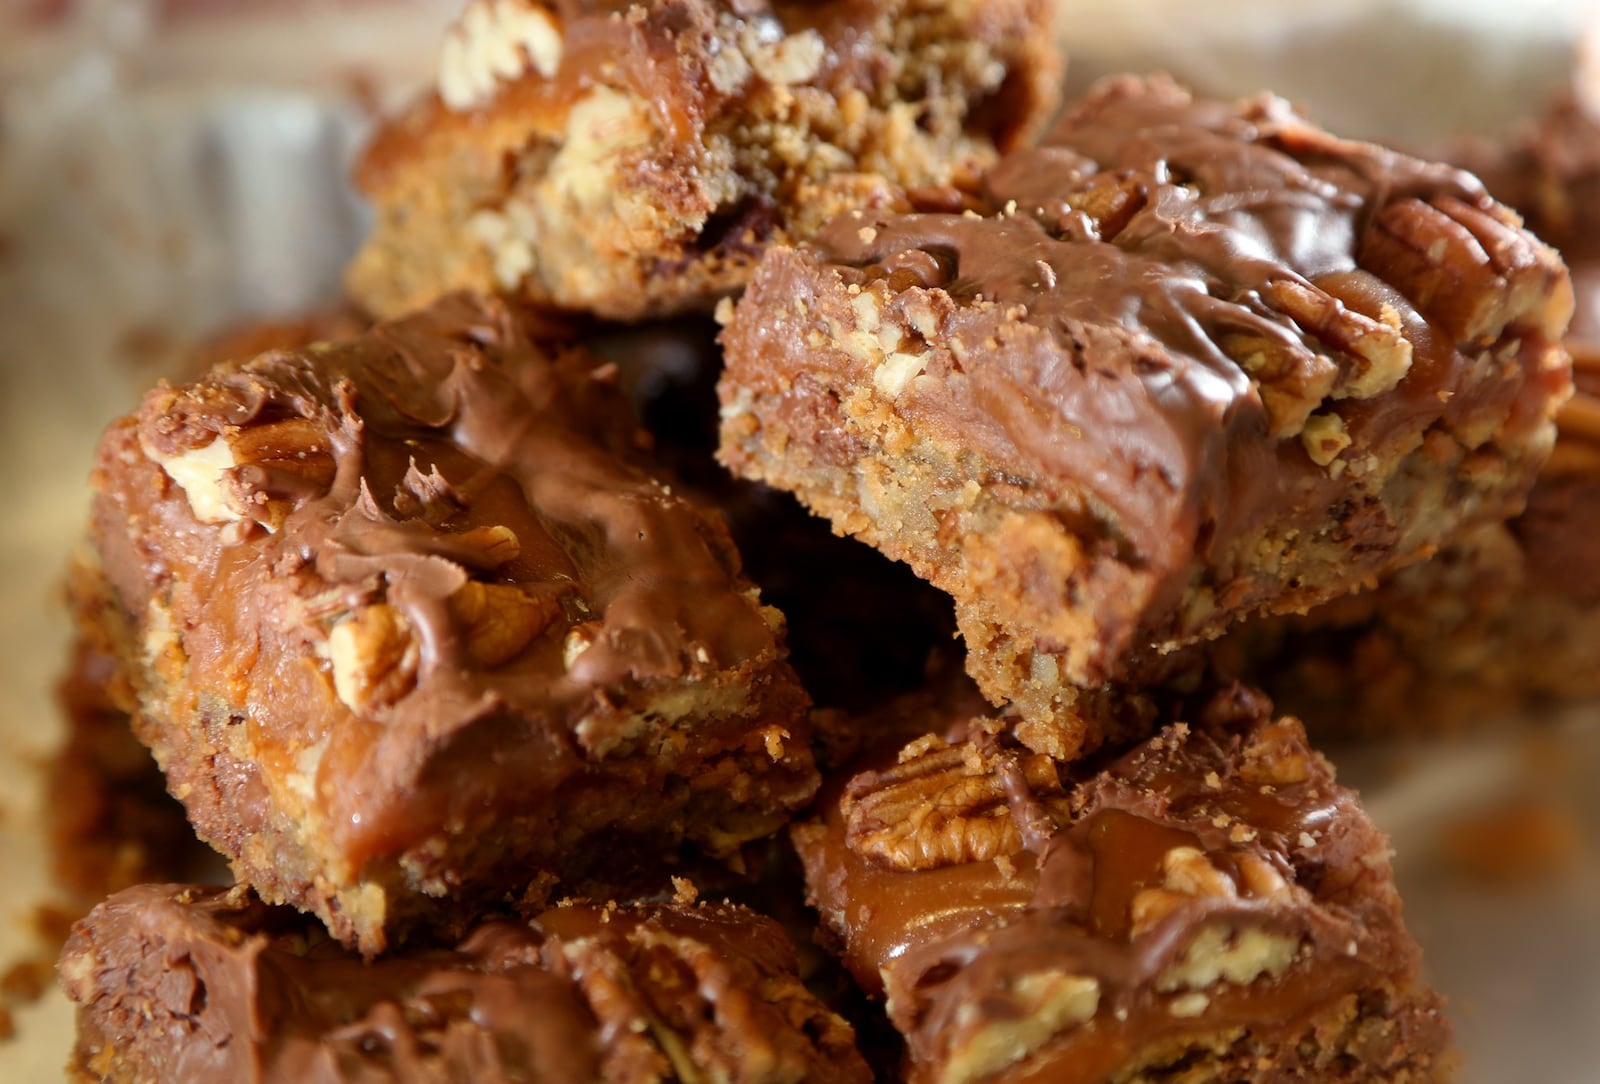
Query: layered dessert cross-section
{"x": 1504, "y": 620}
{"x": 1210, "y": 906}
{"x": 633, "y": 159}
{"x": 410, "y": 631}
{"x": 1508, "y": 617}
{"x": 1185, "y": 362}
{"x": 177, "y": 984}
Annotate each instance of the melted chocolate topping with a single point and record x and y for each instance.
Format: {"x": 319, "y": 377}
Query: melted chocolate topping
{"x": 210, "y": 984}
{"x": 1110, "y": 322}
{"x": 1288, "y": 852}
{"x": 444, "y": 431}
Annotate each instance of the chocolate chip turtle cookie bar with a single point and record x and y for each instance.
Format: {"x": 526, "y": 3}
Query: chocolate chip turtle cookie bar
{"x": 1190, "y": 362}
{"x": 177, "y": 984}
{"x": 1502, "y": 620}
{"x": 410, "y": 632}
{"x": 1209, "y": 906}
{"x": 632, "y": 159}
{"x": 1507, "y": 617}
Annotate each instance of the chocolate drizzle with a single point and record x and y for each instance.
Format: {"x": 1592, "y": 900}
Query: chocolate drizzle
{"x": 1271, "y": 847}
{"x": 1167, "y": 287}
{"x": 210, "y": 984}
{"x": 463, "y": 451}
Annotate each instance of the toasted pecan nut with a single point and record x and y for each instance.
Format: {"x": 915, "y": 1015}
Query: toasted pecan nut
{"x": 253, "y": 472}
{"x": 1468, "y": 271}
{"x": 946, "y": 806}
{"x": 1377, "y": 356}
{"x": 500, "y": 620}
{"x": 374, "y": 658}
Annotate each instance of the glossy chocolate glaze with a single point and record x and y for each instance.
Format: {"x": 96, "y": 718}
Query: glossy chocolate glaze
{"x": 210, "y": 985}
{"x": 947, "y": 943}
{"x": 1094, "y": 351}
{"x": 438, "y": 427}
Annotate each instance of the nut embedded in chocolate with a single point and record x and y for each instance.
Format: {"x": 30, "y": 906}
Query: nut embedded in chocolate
{"x": 176, "y": 984}
{"x": 1200, "y": 361}
{"x": 633, "y": 159}
{"x": 410, "y": 629}
{"x": 1209, "y": 904}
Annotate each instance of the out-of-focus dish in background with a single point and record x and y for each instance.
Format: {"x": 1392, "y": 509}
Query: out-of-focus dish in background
{"x": 169, "y": 167}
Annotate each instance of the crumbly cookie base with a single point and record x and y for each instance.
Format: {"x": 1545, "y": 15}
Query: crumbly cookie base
{"x": 1045, "y": 615}
{"x": 619, "y": 217}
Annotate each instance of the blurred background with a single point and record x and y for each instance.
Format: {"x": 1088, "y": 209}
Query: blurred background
{"x": 168, "y": 167}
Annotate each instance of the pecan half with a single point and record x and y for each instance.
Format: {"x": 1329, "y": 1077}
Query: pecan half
{"x": 1187, "y": 875}
{"x": 374, "y": 658}
{"x": 494, "y": 42}
{"x": 1377, "y": 356}
{"x": 1038, "y": 1007}
{"x": 1277, "y": 756}
{"x": 1471, "y": 271}
{"x": 945, "y": 806}
{"x": 1347, "y": 355}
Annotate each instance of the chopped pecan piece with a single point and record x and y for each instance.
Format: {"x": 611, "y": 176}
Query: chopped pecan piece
{"x": 500, "y": 620}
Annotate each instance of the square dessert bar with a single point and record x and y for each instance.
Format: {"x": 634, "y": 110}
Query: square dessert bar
{"x": 635, "y": 158}
{"x": 411, "y": 635}
{"x": 1508, "y": 616}
{"x": 1207, "y": 907}
{"x": 1195, "y": 361}
{"x": 177, "y": 984}
{"x": 1504, "y": 619}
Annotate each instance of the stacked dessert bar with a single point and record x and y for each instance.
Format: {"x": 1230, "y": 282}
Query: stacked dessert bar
{"x": 439, "y": 629}
{"x": 1504, "y": 618}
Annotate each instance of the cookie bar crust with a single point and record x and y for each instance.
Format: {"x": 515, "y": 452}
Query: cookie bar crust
{"x": 409, "y": 632}
{"x": 1210, "y": 906}
{"x": 1505, "y": 620}
{"x": 175, "y": 984}
{"x": 634, "y": 159}
{"x": 110, "y": 821}
{"x": 1199, "y": 361}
